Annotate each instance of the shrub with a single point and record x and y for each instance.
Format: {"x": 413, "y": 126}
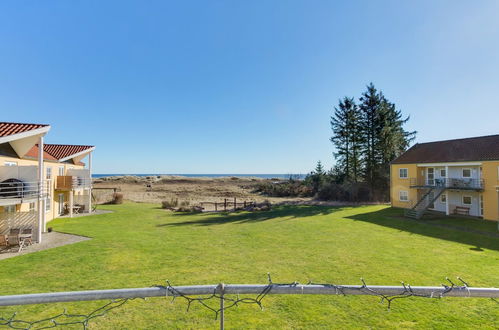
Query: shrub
{"x": 284, "y": 189}
{"x": 117, "y": 198}
{"x": 172, "y": 203}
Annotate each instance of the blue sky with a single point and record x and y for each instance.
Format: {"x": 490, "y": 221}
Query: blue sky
{"x": 241, "y": 86}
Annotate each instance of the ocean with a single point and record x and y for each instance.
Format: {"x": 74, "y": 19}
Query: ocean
{"x": 262, "y": 176}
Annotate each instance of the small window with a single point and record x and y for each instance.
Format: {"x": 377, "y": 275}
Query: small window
{"x": 467, "y": 200}
{"x": 403, "y": 173}
{"x": 61, "y": 170}
{"x": 466, "y": 172}
{"x": 443, "y": 198}
{"x": 443, "y": 174}
{"x": 31, "y": 206}
{"x": 47, "y": 204}
{"x": 10, "y": 163}
{"x": 49, "y": 173}
{"x": 403, "y": 196}
{"x": 9, "y": 208}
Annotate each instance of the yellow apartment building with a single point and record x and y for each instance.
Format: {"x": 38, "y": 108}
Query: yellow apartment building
{"x": 453, "y": 177}
{"x": 38, "y": 184}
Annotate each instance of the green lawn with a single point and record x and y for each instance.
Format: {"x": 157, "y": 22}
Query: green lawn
{"x": 141, "y": 245}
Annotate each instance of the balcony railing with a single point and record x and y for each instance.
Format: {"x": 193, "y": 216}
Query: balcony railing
{"x": 18, "y": 189}
{"x": 68, "y": 182}
{"x": 449, "y": 183}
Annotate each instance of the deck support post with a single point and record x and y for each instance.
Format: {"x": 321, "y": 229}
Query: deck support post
{"x": 90, "y": 183}
{"x": 447, "y": 211}
{"x": 41, "y": 191}
{"x": 71, "y": 202}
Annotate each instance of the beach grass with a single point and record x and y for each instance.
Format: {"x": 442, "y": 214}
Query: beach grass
{"x": 141, "y": 245}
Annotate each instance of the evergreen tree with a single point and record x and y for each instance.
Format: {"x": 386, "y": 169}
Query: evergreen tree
{"x": 384, "y": 137}
{"x": 347, "y": 138}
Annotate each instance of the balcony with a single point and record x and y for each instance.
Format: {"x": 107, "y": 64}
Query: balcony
{"x": 71, "y": 182}
{"x": 19, "y": 184}
{"x": 448, "y": 183}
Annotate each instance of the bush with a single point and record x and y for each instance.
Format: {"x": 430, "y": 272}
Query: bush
{"x": 284, "y": 189}
{"x": 172, "y": 203}
{"x": 117, "y": 198}
{"x": 189, "y": 209}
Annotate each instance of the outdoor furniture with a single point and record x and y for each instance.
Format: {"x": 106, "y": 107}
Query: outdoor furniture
{"x": 3, "y": 242}
{"x": 461, "y": 210}
{"x": 27, "y": 236}
{"x": 76, "y": 209}
{"x": 14, "y": 231}
{"x": 16, "y": 241}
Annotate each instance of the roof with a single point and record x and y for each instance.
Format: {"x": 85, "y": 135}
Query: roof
{"x": 33, "y": 153}
{"x": 63, "y": 151}
{"x": 7, "y": 129}
{"x": 460, "y": 150}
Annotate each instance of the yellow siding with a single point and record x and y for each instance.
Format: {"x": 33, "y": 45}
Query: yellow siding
{"x": 490, "y": 175}
{"x": 397, "y": 184}
{"x": 54, "y": 200}
{"x": 490, "y": 195}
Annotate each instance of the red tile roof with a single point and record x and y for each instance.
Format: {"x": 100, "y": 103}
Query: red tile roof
{"x": 61, "y": 151}
{"x": 460, "y": 150}
{"x": 7, "y": 129}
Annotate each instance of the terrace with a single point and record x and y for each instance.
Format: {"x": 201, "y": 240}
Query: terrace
{"x": 448, "y": 183}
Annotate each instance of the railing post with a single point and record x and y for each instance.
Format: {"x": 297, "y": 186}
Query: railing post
{"x": 221, "y": 287}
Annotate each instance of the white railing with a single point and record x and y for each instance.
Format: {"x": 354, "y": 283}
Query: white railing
{"x": 18, "y": 189}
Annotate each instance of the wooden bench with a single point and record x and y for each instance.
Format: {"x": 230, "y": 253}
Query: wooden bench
{"x": 461, "y": 210}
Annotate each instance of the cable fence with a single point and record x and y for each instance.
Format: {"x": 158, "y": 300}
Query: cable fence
{"x": 226, "y": 296}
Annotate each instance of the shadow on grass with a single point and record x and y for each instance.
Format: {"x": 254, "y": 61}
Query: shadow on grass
{"x": 248, "y": 217}
{"x": 393, "y": 218}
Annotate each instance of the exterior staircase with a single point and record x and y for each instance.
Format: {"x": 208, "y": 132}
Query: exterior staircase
{"x": 418, "y": 210}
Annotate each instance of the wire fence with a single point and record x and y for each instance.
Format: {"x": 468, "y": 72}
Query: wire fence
{"x": 226, "y": 295}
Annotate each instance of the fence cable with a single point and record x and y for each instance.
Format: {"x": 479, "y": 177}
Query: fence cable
{"x": 228, "y": 301}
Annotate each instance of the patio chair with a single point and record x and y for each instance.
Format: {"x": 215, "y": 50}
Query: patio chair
{"x": 3, "y": 242}
{"x": 14, "y": 231}
{"x": 16, "y": 241}
{"x": 27, "y": 236}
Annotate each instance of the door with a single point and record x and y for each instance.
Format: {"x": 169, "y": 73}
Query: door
{"x": 61, "y": 204}
{"x": 430, "y": 176}
{"x": 431, "y": 196}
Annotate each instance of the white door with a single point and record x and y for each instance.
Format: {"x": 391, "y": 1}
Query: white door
{"x": 61, "y": 204}
{"x": 431, "y": 196}
{"x": 430, "y": 176}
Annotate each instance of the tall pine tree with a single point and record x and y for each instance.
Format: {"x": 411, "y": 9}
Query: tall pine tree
{"x": 347, "y": 138}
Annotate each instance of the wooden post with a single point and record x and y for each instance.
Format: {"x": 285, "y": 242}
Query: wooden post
{"x": 225, "y": 204}
{"x": 244, "y": 204}
{"x": 215, "y": 206}
{"x": 235, "y": 204}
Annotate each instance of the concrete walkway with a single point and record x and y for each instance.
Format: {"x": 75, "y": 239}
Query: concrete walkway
{"x": 49, "y": 240}
{"x": 96, "y": 212}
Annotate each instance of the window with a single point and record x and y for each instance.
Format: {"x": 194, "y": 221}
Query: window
{"x": 61, "y": 170}
{"x": 443, "y": 174}
{"x": 32, "y": 206}
{"x": 403, "y": 196}
{"x": 467, "y": 200}
{"x": 10, "y": 163}
{"x": 481, "y": 204}
{"x": 403, "y": 173}
{"x": 49, "y": 173}
{"x": 47, "y": 204}
{"x": 443, "y": 198}
{"x": 9, "y": 208}
{"x": 466, "y": 172}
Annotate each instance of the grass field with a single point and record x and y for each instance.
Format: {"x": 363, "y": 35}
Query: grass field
{"x": 141, "y": 245}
